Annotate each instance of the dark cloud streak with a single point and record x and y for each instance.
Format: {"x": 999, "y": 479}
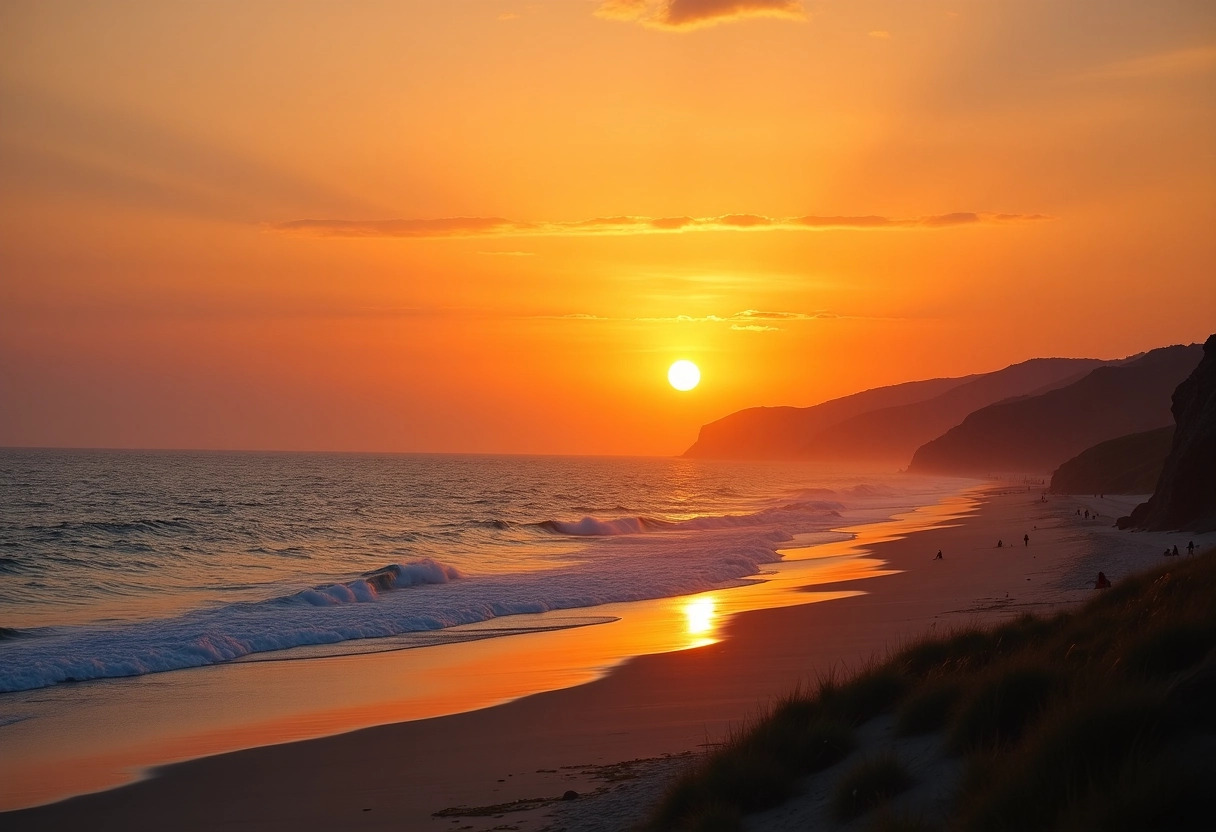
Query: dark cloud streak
{"x": 501, "y": 227}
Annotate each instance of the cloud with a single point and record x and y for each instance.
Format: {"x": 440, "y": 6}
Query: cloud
{"x": 691, "y": 14}
{"x": 749, "y": 320}
{"x": 881, "y": 34}
{"x": 625, "y": 225}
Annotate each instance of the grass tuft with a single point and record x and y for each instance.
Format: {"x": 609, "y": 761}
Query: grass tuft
{"x": 1169, "y": 650}
{"x": 888, "y": 821}
{"x": 929, "y": 707}
{"x": 1001, "y": 706}
{"x": 714, "y": 817}
{"x": 869, "y": 784}
{"x": 865, "y": 696}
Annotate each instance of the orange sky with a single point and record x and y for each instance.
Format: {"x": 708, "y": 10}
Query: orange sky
{"x": 485, "y": 225}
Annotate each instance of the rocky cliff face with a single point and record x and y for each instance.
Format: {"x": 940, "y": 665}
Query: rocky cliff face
{"x": 1185, "y": 497}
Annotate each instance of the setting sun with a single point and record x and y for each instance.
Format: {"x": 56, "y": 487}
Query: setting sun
{"x": 684, "y": 375}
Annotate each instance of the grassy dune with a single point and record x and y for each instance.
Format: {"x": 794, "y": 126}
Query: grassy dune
{"x": 1101, "y": 718}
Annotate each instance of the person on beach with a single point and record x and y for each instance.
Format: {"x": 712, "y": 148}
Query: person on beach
{"x": 1026, "y": 539}
{"x": 1000, "y": 543}
{"x": 1102, "y": 582}
{"x": 1175, "y": 552}
{"x": 1086, "y": 514}
{"x": 939, "y": 555}
{"x": 1190, "y": 548}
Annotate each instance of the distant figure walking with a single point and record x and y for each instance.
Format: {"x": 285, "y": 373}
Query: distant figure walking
{"x": 1175, "y": 552}
{"x": 1026, "y": 539}
{"x": 1086, "y": 514}
{"x": 1190, "y": 548}
{"x": 1000, "y": 543}
{"x": 1102, "y": 582}
{"x": 939, "y": 555}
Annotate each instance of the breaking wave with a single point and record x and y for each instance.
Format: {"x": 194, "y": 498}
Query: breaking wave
{"x": 606, "y": 527}
{"x": 371, "y": 584}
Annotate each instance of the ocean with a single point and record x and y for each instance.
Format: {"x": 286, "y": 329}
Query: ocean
{"x": 125, "y": 563}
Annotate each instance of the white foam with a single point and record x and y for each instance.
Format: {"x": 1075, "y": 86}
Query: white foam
{"x": 609, "y": 559}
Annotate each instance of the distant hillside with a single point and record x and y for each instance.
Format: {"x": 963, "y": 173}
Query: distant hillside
{"x": 894, "y": 433}
{"x": 886, "y": 423}
{"x": 1038, "y": 433}
{"x": 1127, "y": 465}
{"x": 1185, "y": 496}
{"x": 774, "y": 432}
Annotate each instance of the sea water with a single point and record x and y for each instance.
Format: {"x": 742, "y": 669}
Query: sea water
{"x": 124, "y": 563}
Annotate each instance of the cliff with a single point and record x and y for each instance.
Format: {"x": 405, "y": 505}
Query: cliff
{"x": 1127, "y": 465}
{"x": 894, "y": 433}
{"x": 1038, "y": 433}
{"x": 1185, "y": 496}
{"x": 886, "y": 423}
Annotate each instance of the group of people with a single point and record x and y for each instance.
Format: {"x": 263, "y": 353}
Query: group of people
{"x": 1173, "y": 552}
{"x": 1000, "y": 544}
{"x": 1170, "y": 552}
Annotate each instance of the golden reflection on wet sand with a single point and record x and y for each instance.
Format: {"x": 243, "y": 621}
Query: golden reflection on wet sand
{"x": 98, "y": 735}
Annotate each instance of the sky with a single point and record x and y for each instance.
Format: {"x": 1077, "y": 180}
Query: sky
{"x": 490, "y": 226}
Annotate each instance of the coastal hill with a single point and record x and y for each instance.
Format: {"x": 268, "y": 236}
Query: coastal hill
{"x": 885, "y": 423}
{"x": 1038, "y": 433}
{"x": 1185, "y": 496}
{"x": 1126, "y": 465}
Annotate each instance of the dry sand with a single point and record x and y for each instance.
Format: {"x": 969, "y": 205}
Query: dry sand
{"x": 650, "y": 712}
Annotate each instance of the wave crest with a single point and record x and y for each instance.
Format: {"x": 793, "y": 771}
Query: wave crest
{"x": 369, "y": 586}
{"x": 603, "y": 527}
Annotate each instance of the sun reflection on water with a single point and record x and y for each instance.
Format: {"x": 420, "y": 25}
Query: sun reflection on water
{"x": 701, "y": 620}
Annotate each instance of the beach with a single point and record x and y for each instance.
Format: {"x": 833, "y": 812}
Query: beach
{"x": 667, "y": 704}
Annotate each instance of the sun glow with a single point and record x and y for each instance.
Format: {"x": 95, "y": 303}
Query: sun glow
{"x": 683, "y": 375}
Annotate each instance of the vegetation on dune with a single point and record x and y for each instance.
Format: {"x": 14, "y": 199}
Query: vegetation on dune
{"x": 869, "y": 784}
{"x": 1085, "y": 720}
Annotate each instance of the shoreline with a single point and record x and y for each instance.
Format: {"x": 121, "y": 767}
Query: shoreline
{"x": 63, "y": 743}
{"x": 396, "y": 776}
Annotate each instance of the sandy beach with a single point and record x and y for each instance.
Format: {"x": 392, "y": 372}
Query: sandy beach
{"x": 614, "y": 740}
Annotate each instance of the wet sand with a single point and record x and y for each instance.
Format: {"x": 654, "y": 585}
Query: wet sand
{"x": 397, "y": 776}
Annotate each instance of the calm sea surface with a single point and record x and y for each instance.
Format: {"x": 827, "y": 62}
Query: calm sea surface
{"x": 121, "y": 563}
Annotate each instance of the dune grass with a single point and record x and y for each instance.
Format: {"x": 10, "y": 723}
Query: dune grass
{"x": 869, "y": 784}
{"x": 1074, "y": 721}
